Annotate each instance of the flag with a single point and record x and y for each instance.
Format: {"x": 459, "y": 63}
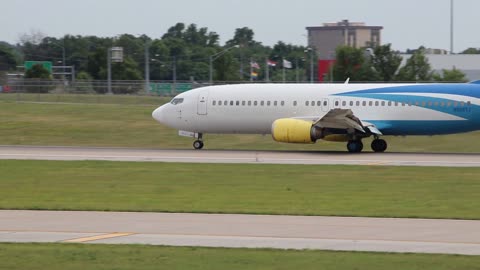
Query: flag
{"x": 271, "y": 63}
{"x": 254, "y": 65}
{"x": 254, "y": 74}
{"x": 287, "y": 64}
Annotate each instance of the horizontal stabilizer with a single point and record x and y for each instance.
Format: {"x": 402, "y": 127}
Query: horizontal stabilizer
{"x": 475, "y": 82}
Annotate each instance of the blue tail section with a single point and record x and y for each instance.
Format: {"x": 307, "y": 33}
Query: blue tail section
{"x": 475, "y": 82}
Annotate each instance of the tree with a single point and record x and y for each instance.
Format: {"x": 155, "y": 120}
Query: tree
{"x": 352, "y": 63}
{"x": 8, "y": 59}
{"x": 37, "y": 72}
{"x": 243, "y": 37}
{"x": 225, "y": 68}
{"x": 471, "y": 51}
{"x": 386, "y": 62}
{"x": 453, "y": 75}
{"x": 416, "y": 69}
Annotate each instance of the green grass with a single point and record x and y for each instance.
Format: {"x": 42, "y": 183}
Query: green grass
{"x": 80, "y": 256}
{"x": 133, "y": 126}
{"x": 241, "y": 188}
{"x": 84, "y": 98}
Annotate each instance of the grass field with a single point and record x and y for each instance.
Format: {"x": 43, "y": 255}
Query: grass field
{"x": 80, "y": 256}
{"x": 133, "y": 126}
{"x": 84, "y": 98}
{"x": 241, "y": 188}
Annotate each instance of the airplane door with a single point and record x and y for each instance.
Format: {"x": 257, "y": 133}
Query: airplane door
{"x": 202, "y": 103}
{"x": 325, "y": 105}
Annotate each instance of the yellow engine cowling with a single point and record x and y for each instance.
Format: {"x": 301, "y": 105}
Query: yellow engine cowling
{"x": 292, "y": 131}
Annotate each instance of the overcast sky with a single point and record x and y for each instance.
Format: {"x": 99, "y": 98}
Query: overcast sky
{"x": 407, "y": 23}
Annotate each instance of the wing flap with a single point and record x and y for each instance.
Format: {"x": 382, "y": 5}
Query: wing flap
{"x": 340, "y": 119}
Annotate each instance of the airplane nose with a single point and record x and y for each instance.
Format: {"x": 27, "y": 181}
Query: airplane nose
{"x": 159, "y": 114}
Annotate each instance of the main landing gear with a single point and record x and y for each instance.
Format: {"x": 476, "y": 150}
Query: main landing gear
{"x": 379, "y": 145}
{"x": 198, "y": 144}
{"x": 356, "y": 146}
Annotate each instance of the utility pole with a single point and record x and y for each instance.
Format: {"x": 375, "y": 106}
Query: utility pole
{"x": 451, "y": 27}
{"x": 147, "y": 67}
{"x": 109, "y": 71}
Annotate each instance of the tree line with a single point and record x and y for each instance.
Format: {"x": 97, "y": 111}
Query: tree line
{"x": 185, "y": 51}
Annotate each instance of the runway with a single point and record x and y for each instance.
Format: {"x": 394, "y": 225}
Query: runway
{"x": 239, "y": 156}
{"x": 250, "y": 231}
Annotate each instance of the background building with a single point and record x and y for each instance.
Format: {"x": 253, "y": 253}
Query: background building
{"x": 325, "y": 39}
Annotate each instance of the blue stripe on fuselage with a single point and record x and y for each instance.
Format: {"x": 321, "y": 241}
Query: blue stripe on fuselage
{"x": 462, "y": 89}
{"x": 422, "y": 127}
{"x": 406, "y": 94}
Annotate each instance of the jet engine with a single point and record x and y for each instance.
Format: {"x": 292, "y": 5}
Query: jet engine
{"x": 294, "y": 131}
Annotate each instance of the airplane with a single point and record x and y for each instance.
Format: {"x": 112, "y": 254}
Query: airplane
{"x": 305, "y": 113}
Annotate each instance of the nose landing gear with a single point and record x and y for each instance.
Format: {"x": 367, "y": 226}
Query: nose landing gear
{"x": 198, "y": 144}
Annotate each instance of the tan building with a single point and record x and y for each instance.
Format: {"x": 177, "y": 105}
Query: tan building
{"x": 325, "y": 39}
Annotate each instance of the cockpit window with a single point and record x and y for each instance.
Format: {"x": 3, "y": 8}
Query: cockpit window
{"x": 176, "y": 101}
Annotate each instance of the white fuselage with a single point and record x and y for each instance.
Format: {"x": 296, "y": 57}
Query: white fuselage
{"x": 397, "y": 109}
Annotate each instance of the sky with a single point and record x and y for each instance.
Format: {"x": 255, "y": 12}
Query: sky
{"x": 407, "y": 23}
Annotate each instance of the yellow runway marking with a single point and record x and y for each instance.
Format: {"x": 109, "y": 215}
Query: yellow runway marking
{"x": 97, "y": 237}
{"x": 377, "y": 163}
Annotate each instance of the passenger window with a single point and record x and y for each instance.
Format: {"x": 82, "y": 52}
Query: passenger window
{"x": 225, "y": 103}
{"x": 364, "y": 103}
{"x": 275, "y": 103}
{"x": 357, "y": 103}
{"x": 295, "y": 103}
{"x": 255, "y": 103}
{"x": 306, "y": 103}
{"x": 442, "y": 104}
{"x": 249, "y": 103}
{"x": 383, "y": 103}
{"x": 268, "y": 103}
{"x": 396, "y": 104}
{"x": 325, "y": 103}
{"x": 389, "y": 103}
{"x": 462, "y": 104}
{"x": 424, "y": 104}
{"x": 214, "y": 102}
{"x": 176, "y": 101}
{"x": 243, "y": 102}
{"x": 336, "y": 103}
{"x": 370, "y": 103}
{"x": 344, "y": 103}
{"x": 351, "y": 103}
{"x": 312, "y": 103}
{"x": 231, "y": 103}
{"x": 262, "y": 103}
{"x": 416, "y": 103}
{"x": 449, "y": 104}
{"x": 282, "y": 103}
{"x": 429, "y": 104}
{"x": 376, "y": 103}
{"x": 237, "y": 103}
{"x": 468, "y": 103}
{"x": 435, "y": 104}
{"x": 319, "y": 103}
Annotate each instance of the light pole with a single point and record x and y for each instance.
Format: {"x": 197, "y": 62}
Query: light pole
{"x": 309, "y": 49}
{"x": 213, "y": 57}
{"x": 63, "y": 55}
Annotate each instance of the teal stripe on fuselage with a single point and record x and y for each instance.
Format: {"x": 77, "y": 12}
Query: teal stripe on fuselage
{"x": 464, "y": 112}
{"x": 422, "y": 127}
{"x": 407, "y": 94}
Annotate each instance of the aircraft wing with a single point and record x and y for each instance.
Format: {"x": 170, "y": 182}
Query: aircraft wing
{"x": 340, "y": 119}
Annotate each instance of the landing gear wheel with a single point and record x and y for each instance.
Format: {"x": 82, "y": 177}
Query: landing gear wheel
{"x": 198, "y": 144}
{"x": 355, "y": 146}
{"x": 379, "y": 145}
